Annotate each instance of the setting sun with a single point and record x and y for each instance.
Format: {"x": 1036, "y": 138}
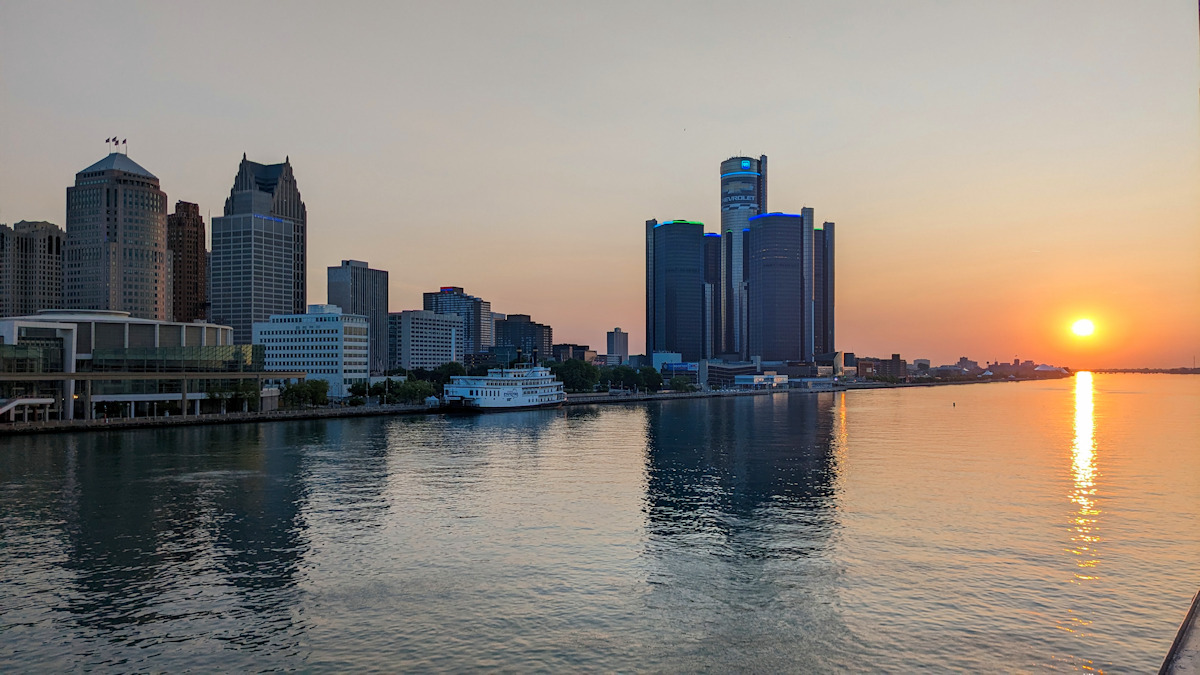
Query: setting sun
{"x": 1083, "y": 327}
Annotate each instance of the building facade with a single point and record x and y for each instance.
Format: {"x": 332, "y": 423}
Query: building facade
{"x": 258, "y": 249}
{"x": 675, "y": 317}
{"x": 187, "y": 244}
{"x": 534, "y": 341}
{"x": 115, "y": 257}
{"x": 618, "y": 346}
{"x": 358, "y": 289}
{"x": 476, "y": 313}
{"x": 426, "y": 339}
{"x": 823, "y": 277}
{"x": 323, "y": 342}
{"x": 780, "y": 287}
{"x": 743, "y": 195}
{"x": 31, "y": 272}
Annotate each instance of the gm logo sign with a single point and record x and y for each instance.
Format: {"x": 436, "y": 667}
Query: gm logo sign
{"x": 745, "y": 165}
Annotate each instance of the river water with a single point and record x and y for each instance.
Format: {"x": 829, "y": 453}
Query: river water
{"x": 995, "y": 527}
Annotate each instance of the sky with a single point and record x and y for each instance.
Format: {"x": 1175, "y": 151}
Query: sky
{"x": 995, "y": 170}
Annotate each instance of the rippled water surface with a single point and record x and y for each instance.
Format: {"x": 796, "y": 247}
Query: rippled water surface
{"x": 995, "y": 527}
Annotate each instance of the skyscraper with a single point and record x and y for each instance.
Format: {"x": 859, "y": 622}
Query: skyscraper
{"x": 618, "y": 345}
{"x": 743, "y": 195}
{"x": 823, "y": 276}
{"x": 675, "y": 288}
{"x": 780, "y": 287}
{"x": 258, "y": 249}
{"x": 358, "y": 289}
{"x": 115, "y": 256}
{"x": 31, "y": 273}
{"x": 713, "y": 338}
{"x": 187, "y": 245}
{"x": 476, "y": 313}
{"x": 535, "y": 340}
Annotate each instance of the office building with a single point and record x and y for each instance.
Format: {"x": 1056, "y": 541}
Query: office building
{"x": 324, "y": 342}
{"x": 358, "y": 289}
{"x": 566, "y": 352}
{"x": 426, "y": 339}
{"x": 532, "y": 341}
{"x": 31, "y": 272}
{"x": 780, "y": 287}
{"x": 115, "y": 257}
{"x": 743, "y": 195}
{"x": 187, "y": 245}
{"x": 478, "y": 323}
{"x": 258, "y": 249}
{"x": 675, "y": 317}
{"x": 618, "y": 346}
{"x": 823, "y": 276}
{"x": 713, "y": 338}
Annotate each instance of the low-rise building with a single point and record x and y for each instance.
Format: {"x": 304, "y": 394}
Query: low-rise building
{"x": 323, "y": 342}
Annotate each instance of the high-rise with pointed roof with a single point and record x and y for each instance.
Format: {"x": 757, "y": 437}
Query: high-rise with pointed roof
{"x": 258, "y": 249}
{"x": 116, "y": 250}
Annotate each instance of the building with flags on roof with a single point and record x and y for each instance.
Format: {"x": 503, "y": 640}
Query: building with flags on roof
{"x": 115, "y": 256}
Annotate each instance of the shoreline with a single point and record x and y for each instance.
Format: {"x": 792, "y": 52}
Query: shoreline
{"x": 125, "y": 423}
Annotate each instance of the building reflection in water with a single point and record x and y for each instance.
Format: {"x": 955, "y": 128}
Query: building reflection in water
{"x": 740, "y": 513}
{"x": 197, "y": 528}
{"x": 1085, "y": 534}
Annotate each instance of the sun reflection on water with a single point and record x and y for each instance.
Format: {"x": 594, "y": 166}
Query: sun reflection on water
{"x": 1085, "y": 532}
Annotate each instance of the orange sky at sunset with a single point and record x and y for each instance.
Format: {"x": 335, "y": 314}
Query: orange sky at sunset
{"x": 996, "y": 170}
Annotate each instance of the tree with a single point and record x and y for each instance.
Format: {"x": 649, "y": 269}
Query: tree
{"x": 681, "y": 383}
{"x": 651, "y": 379}
{"x": 358, "y": 389}
{"x": 576, "y": 375}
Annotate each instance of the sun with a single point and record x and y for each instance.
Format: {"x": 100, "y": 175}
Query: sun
{"x": 1083, "y": 327}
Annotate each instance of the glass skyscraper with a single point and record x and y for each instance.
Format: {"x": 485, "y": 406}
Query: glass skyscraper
{"x": 743, "y": 195}
{"x": 823, "y": 275}
{"x": 258, "y": 249}
{"x": 675, "y": 288}
{"x": 780, "y": 286}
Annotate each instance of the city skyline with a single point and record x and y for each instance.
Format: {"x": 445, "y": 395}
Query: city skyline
{"x": 987, "y": 185}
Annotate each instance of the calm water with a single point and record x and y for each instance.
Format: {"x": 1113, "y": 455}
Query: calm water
{"x": 994, "y": 527}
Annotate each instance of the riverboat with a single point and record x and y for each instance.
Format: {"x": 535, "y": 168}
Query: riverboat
{"x": 504, "y": 389}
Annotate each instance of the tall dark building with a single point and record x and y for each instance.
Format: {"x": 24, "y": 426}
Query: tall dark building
{"x": 358, "y": 289}
{"x": 187, "y": 245}
{"x": 535, "y": 340}
{"x": 115, "y": 257}
{"x": 270, "y": 189}
{"x": 743, "y": 195}
{"x": 31, "y": 271}
{"x": 713, "y": 338}
{"x": 823, "y": 275}
{"x": 258, "y": 249}
{"x": 675, "y": 317}
{"x": 780, "y": 287}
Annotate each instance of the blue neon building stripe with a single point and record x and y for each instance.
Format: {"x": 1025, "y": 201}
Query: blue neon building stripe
{"x": 765, "y": 215}
{"x": 741, "y": 173}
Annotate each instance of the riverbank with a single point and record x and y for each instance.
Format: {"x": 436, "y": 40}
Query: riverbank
{"x": 112, "y": 424}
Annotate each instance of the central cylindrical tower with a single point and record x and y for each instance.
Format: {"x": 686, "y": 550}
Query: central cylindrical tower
{"x": 743, "y": 195}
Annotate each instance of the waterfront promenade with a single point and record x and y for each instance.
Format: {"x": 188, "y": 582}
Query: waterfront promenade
{"x": 109, "y": 424}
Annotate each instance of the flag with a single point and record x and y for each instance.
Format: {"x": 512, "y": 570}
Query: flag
{"x": 125, "y": 142}
{"x": 108, "y": 140}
